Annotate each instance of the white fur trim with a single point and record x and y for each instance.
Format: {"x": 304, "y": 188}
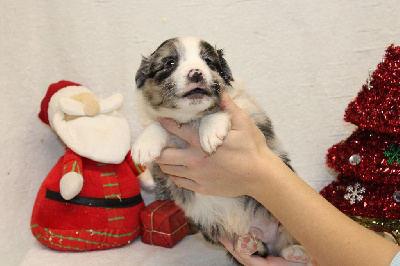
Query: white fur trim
{"x": 64, "y": 92}
{"x": 146, "y": 181}
{"x": 71, "y": 106}
{"x": 111, "y": 103}
{"x": 93, "y": 143}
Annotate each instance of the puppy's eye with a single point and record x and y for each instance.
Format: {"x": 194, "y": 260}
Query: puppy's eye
{"x": 170, "y": 62}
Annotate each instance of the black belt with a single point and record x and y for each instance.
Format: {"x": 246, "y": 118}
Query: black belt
{"x": 96, "y": 202}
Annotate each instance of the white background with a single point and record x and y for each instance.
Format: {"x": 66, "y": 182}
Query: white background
{"x": 303, "y": 60}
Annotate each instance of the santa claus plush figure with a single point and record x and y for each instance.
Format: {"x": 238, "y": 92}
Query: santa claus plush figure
{"x": 91, "y": 198}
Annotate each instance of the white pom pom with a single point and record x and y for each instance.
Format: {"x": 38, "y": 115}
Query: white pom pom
{"x": 70, "y": 185}
{"x": 111, "y": 103}
{"x": 146, "y": 181}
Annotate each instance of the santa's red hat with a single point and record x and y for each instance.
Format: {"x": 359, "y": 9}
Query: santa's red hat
{"x": 50, "y": 102}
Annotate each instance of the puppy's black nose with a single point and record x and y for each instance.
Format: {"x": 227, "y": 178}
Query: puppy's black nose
{"x": 195, "y": 75}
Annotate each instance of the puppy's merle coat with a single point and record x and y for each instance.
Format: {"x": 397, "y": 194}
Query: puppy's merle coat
{"x": 183, "y": 79}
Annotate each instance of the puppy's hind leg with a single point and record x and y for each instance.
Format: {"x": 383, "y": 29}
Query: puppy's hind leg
{"x": 295, "y": 253}
{"x": 249, "y": 244}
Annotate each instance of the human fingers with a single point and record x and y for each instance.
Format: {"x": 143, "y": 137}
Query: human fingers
{"x": 229, "y": 247}
{"x": 175, "y": 170}
{"x": 278, "y": 261}
{"x": 184, "y": 182}
{"x": 172, "y": 156}
{"x": 248, "y": 260}
{"x": 184, "y": 132}
{"x": 254, "y": 260}
{"x": 238, "y": 116}
{"x": 226, "y": 101}
{"x": 172, "y": 161}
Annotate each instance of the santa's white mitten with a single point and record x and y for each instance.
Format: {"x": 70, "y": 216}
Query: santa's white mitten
{"x": 70, "y": 185}
{"x": 146, "y": 181}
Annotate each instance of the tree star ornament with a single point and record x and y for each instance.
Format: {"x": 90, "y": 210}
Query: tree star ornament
{"x": 367, "y": 188}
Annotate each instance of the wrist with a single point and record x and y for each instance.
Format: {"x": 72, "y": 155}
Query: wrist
{"x": 271, "y": 175}
{"x": 261, "y": 169}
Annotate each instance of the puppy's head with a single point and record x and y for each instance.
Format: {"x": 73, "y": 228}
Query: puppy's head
{"x": 183, "y": 78}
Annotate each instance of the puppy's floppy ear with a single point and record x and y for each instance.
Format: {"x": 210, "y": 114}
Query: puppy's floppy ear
{"x": 226, "y": 73}
{"x": 141, "y": 74}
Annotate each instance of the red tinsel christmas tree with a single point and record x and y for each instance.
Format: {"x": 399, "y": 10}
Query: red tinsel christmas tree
{"x": 368, "y": 186}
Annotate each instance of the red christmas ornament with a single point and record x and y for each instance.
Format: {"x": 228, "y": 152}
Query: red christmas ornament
{"x": 368, "y": 186}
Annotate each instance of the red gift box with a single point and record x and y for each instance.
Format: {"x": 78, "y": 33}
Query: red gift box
{"x": 163, "y": 224}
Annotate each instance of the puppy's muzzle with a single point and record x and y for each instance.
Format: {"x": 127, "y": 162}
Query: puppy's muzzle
{"x": 195, "y": 75}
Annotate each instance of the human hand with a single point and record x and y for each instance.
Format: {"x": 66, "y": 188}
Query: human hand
{"x": 230, "y": 171}
{"x": 254, "y": 260}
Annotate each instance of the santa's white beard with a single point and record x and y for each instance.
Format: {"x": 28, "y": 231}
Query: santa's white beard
{"x": 103, "y": 138}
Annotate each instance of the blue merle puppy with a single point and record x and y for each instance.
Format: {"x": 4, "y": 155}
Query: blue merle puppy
{"x": 183, "y": 79}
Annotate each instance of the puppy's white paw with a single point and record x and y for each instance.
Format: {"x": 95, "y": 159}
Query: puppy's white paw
{"x": 147, "y": 149}
{"x": 213, "y": 129}
{"x": 295, "y": 253}
{"x": 149, "y": 144}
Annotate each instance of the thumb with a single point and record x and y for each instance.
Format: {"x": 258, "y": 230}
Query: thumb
{"x": 184, "y": 132}
{"x": 238, "y": 116}
{"x": 228, "y": 104}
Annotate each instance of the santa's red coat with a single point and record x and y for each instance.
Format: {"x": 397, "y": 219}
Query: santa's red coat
{"x": 79, "y": 224}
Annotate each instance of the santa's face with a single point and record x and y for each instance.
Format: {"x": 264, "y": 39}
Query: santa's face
{"x": 92, "y": 127}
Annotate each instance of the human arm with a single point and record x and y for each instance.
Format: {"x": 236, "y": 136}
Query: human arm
{"x": 245, "y": 165}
